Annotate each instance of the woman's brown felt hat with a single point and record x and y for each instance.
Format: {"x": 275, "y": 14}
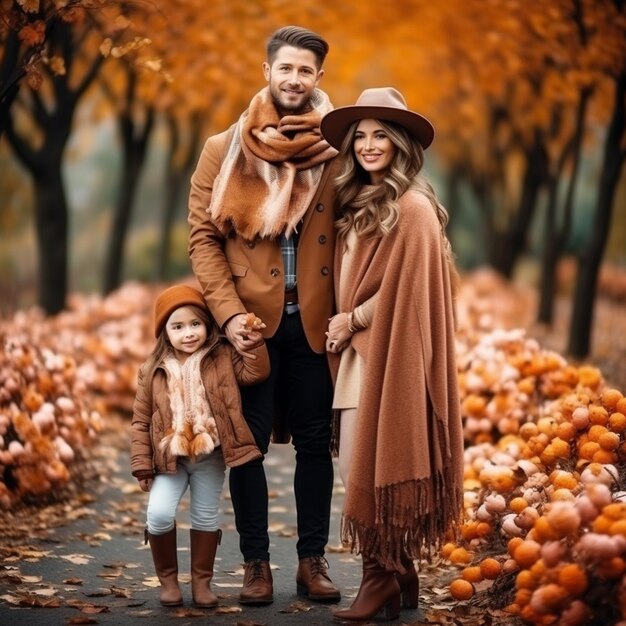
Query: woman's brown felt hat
{"x": 379, "y": 103}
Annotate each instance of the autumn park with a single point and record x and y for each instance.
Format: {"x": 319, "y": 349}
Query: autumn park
{"x": 104, "y": 108}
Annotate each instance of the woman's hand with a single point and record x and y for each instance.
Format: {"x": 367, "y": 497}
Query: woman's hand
{"x": 338, "y": 336}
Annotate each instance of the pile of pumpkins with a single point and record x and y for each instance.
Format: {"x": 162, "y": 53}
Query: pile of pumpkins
{"x": 544, "y": 481}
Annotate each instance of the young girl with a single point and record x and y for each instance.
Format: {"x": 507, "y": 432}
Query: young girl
{"x": 187, "y": 425}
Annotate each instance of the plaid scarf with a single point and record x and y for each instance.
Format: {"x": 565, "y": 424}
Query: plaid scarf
{"x": 271, "y": 170}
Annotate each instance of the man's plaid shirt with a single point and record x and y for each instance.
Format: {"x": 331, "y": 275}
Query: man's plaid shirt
{"x": 288, "y": 249}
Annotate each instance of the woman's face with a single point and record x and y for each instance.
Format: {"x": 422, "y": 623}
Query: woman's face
{"x": 373, "y": 149}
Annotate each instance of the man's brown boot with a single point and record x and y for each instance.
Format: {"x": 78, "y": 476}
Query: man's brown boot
{"x": 313, "y": 581}
{"x": 258, "y": 587}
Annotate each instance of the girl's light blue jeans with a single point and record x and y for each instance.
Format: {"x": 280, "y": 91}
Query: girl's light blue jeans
{"x": 205, "y": 479}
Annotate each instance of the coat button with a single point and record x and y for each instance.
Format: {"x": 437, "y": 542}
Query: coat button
{"x": 325, "y": 271}
{"x": 322, "y": 239}
{"x": 319, "y": 208}
{"x": 275, "y": 272}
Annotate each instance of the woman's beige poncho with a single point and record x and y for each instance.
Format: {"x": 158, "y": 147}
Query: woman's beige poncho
{"x": 404, "y": 491}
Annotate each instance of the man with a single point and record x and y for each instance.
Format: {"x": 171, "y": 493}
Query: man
{"x": 262, "y": 241}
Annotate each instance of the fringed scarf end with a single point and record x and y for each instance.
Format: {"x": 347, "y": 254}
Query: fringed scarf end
{"x": 413, "y": 520}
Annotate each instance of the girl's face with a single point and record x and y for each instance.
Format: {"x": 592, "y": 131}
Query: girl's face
{"x": 373, "y": 149}
{"x": 186, "y": 332}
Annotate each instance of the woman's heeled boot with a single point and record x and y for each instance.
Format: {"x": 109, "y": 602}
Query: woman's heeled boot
{"x": 379, "y": 590}
{"x": 409, "y": 584}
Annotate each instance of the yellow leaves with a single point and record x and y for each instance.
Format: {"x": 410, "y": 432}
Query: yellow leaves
{"x": 122, "y": 22}
{"x": 23, "y": 598}
{"x": 297, "y": 607}
{"x": 154, "y": 65}
{"x": 15, "y": 577}
{"x": 106, "y": 46}
{"x": 77, "y": 559}
{"x": 56, "y": 64}
{"x": 131, "y": 46}
{"x": 227, "y": 610}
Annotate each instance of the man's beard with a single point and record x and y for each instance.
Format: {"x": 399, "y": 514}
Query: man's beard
{"x": 292, "y": 109}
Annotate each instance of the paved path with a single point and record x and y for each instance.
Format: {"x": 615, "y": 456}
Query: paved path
{"x": 94, "y": 568}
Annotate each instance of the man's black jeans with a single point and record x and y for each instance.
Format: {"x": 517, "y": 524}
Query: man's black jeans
{"x": 300, "y": 387}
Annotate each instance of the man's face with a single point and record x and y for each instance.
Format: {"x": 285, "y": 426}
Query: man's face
{"x": 292, "y": 78}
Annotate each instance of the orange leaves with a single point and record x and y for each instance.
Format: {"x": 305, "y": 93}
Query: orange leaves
{"x": 29, "y": 6}
{"x": 33, "y": 34}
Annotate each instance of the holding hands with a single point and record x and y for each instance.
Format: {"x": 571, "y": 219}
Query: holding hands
{"x": 339, "y": 332}
{"x": 244, "y": 333}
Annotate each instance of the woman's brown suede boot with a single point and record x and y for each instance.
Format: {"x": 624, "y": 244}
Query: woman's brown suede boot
{"x": 203, "y": 548}
{"x": 165, "y": 559}
{"x": 409, "y": 584}
{"x": 379, "y": 590}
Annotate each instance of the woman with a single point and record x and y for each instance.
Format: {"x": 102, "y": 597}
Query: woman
{"x": 392, "y": 343}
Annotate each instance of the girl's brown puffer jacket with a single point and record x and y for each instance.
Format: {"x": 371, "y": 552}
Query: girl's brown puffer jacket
{"x": 223, "y": 369}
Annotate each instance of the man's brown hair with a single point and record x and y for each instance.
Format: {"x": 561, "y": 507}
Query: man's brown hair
{"x": 297, "y": 37}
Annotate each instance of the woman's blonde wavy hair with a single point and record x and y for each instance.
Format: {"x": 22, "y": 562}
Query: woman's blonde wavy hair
{"x": 373, "y": 210}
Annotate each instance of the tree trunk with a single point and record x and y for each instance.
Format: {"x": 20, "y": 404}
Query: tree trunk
{"x": 549, "y": 257}
{"x": 177, "y": 175}
{"x": 591, "y": 258}
{"x": 556, "y": 239}
{"x": 512, "y": 242}
{"x": 172, "y": 192}
{"x": 51, "y": 215}
{"x": 134, "y": 154}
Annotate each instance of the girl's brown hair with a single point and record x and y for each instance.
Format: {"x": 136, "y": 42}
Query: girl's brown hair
{"x": 163, "y": 344}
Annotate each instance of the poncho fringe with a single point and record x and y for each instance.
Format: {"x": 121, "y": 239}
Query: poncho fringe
{"x": 413, "y": 520}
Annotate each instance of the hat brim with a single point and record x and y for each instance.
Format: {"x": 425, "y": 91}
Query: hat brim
{"x": 335, "y": 123}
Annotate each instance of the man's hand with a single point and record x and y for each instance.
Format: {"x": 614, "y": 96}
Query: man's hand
{"x": 244, "y": 337}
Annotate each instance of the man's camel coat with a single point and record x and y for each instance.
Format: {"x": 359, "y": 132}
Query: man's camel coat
{"x": 238, "y": 276}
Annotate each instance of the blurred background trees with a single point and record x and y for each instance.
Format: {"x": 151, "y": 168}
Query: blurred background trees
{"x": 105, "y": 105}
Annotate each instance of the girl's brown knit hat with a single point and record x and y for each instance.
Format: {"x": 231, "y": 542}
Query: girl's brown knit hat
{"x": 173, "y": 298}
